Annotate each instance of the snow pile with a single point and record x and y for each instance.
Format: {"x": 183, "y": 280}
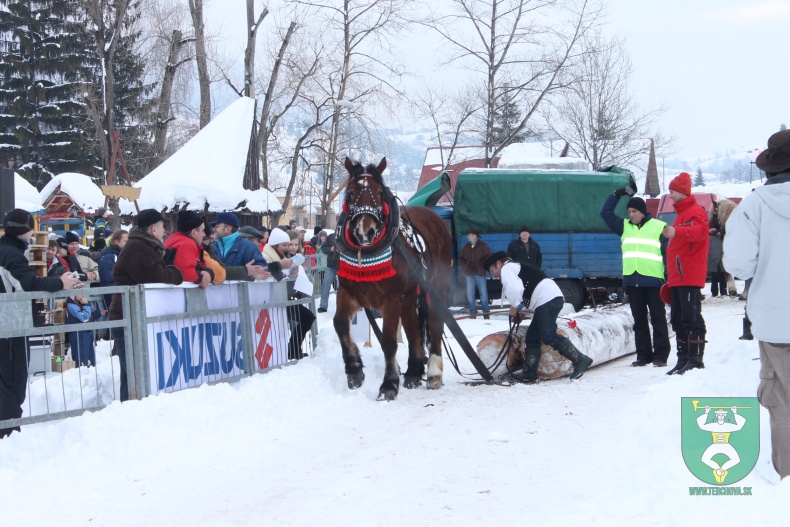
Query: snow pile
{"x": 539, "y": 155}
{"x": 209, "y": 169}
{"x": 295, "y": 447}
{"x": 80, "y": 188}
{"x": 25, "y": 195}
{"x": 460, "y": 154}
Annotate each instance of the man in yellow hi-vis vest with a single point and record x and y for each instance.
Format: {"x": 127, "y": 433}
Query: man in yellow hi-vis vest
{"x": 643, "y": 274}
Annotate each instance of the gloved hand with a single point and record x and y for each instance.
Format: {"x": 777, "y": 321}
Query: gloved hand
{"x": 624, "y": 191}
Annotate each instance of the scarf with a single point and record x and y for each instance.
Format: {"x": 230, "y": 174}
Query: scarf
{"x": 225, "y": 244}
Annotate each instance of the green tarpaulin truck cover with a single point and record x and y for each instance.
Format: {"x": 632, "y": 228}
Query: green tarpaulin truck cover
{"x": 502, "y": 200}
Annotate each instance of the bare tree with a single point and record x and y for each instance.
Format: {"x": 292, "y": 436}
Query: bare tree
{"x": 357, "y": 47}
{"x": 201, "y": 57}
{"x": 450, "y": 115}
{"x": 520, "y": 49}
{"x": 106, "y": 20}
{"x": 597, "y": 115}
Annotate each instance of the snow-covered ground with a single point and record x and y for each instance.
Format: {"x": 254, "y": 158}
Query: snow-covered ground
{"x": 295, "y": 447}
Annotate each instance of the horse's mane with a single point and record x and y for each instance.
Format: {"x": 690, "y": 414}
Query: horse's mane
{"x": 370, "y": 169}
{"x": 726, "y": 206}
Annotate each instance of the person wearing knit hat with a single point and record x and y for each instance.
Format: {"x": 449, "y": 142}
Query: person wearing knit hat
{"x": 687, "y": 270}
{"x": 76, "y": 261}
{"x": 300, "y": 319}
{"x": 681, "y": 184}
{"x": 16, "y": 275}
{"x": 527, "y": 287}
{"x": 18, "y": 222}
{"x": 643, "y": 274}
{"x": 187, "y": 243}
{"x": 231, "y": 249}
{"x": 278, "y": 236}
{"x": 756, "y": 249}
{"x": 525, "y": 249}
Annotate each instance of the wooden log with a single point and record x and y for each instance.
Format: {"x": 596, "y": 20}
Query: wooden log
{"x": 604, "y": 334}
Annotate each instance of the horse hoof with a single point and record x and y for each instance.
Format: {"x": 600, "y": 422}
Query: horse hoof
{"x": 434, "y": 383}
{"x": 412, "y": 382}
{"x": 355, "y": 381}
{"x": 387, "y": 395}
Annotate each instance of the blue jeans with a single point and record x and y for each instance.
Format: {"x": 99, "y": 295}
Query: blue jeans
{"x": 479, "y": 283}
{"x": 326, "y": 286}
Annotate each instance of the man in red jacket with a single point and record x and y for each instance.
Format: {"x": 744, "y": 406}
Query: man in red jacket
{"x": 187, "y": 241}
{"x": 687, "y": 267}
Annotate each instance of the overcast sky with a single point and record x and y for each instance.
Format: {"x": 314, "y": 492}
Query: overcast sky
{"x": 718, "y": 65}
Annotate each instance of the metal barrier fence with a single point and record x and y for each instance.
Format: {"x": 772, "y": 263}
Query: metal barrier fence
{"x": 170, "y": 338}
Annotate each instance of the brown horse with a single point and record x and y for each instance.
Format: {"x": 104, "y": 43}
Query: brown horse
{"x": 372, "y": 235}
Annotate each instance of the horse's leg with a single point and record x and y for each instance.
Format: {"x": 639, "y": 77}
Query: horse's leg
{"x": 410, "y": 321}
{"x": 435, "y": 361}
{"x": 346, "y": 307}
{"x": 388, "y": 390}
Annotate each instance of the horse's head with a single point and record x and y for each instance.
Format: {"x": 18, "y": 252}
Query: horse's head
{"x": 367, "y": 201}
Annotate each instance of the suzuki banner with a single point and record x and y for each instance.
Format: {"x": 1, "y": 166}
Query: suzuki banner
{"x": 194, "y": 350}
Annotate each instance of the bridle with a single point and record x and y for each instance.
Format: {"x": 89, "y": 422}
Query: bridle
{"x": 376, "y": 210}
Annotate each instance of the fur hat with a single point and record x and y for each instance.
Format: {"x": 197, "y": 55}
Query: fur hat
{"x": 638, "y": 204}
{"x": 72, "y": 237}
{"x": 228, "y": 218}
{"x": 494, "y": 258}
{"x": 775, "y": 158}
{"x": 17, "y": 222}
{"x": 188, "y": 220}
{"x": 147, "y": 217}
{"x": 278, "y": 236}
{"x": 681, "y": 183}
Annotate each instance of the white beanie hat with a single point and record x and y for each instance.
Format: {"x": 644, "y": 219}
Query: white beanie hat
{"x": 278, "y": 236}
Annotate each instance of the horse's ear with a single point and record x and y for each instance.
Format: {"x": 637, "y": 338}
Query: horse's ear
{"x": 349, "y": 165}
{"x": 382, "y": 165}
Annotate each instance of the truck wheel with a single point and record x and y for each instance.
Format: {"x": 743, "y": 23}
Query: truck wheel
{"x": 573, "y": 292}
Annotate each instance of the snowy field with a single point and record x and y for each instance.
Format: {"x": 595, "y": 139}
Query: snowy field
{"x": 295, "y": 447}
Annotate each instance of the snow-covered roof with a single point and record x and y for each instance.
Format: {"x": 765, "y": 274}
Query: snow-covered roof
{"x": 25, "y": 195}
{"x": 539, "y": 155}
{"x": 80, "y": 188}
{"x": 209, "y": 169}
{"x": 262, "y": 200}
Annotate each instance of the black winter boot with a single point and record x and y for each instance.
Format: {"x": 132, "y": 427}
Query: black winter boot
{"x": 529, "y": 374}
{"x": 579, "y": 360}
{"x": 747, "y": 329}
{"x": 683, "y": 355}
{"x": 696, "y": 352}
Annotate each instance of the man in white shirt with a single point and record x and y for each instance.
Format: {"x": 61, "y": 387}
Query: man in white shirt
{"x": 527, "y": 287}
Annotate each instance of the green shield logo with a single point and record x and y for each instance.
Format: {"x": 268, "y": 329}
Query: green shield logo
{"x": 720, "y": 437}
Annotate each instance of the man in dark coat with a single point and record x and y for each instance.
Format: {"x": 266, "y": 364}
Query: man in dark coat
{"x": 687, "y": 268}
{"x": 472, "y": 256}
{"x": 17, "y": 275}
{"x": 140, "y": 262}
{"x": 643, "y": 274}
{"x": 525, "y": 249}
